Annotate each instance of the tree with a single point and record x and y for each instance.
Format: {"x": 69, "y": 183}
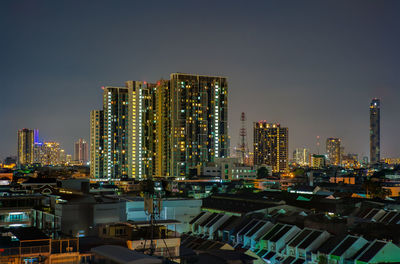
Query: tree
{"x": 299, "y": 172}
{"x": 262, "y": 173}
{"x": 322, "y": 259}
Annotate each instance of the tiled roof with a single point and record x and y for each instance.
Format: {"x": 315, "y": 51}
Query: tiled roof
{"x": 372, "y": 251}
{"x": 345, "y": 245}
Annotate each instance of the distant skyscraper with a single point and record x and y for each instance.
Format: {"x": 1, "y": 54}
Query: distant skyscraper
{"x": 375, "y": 130}
{"x": 271, "y": 146}
{"x": 48, "y": 154}
{"x": 63, "y": 157}
{"x": 301, "y": 156}
{"x": 26, "y": 142}
{"x": 68, "y": 158}
{"x": 81, "y": 151}
{"x": 199, "y": 121}
{"x": 333, "y": 150}
{"x": 96, "y": 143}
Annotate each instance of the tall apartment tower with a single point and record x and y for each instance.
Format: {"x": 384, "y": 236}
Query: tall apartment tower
{"x": 96, "y": 143}
{"x": 115, "y": 135}
{"x": 199, "y": 121}
{"x": 122, "y": 134}
{"x": 141, "y": 129}
{"x": 81, "y": 151}
{"x": 26, "y": 142}
{"x": 333, "y": 150}
{"x": 162, "y": 130}
{"x": 271, "y": 145}
{"x": 375, "y": 130}
{"x": 159, "y": 130}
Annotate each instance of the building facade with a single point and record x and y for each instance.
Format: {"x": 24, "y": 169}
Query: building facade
{"x": 199, "y": 121}
{"x": 160, "y": 130}
{"x": 116, "y": 127}
{"x": 271, "y": 145}
{"x": 122, "y": 134}
{"x": 318, "y": 161}
{"x": 375, "y": 130}
{"x": 333, "y": 150}
{"x": 96, "y": 143}
{"x": 26, "y": 142}
{"x": 48, "y": 154}
{"x": 81, "y": 151}
{"x": 301, "y": 156}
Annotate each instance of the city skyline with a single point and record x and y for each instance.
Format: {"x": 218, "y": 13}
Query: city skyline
{"x": 349, "y": 57}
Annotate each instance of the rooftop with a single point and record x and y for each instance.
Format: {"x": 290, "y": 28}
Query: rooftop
{"x": 373, "y": 249}
{"x": 121, "y": 255}
{"x": 344, "y": 246}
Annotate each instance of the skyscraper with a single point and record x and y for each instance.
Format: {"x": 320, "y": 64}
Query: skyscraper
{"x": 271, "y": 145}
{"x": 81, "y": 151}
{"x": 375, "y": 130}
{"x": 333, "y": 150}
{"x": 49, "y": 154}
{"x": 160, "y": 130}
{"x": 163, "y": 137}
{"x": 301, "y": 156}
{"x": 96, "y": 143}
{"x": 199, "y": 121}
{"x": 116, "y": 128}
{"x": 26, "y": 142}
{"x": 142, "y": 129}
{"x": 122, "y": 134}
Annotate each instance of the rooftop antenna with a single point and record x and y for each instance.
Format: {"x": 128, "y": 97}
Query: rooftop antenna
{"x": 153, "y": 208}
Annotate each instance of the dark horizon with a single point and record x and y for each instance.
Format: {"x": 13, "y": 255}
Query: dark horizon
{"x": 311, "y": 66}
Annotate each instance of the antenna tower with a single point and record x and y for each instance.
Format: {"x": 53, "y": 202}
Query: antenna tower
{"x": 242, "y": 149}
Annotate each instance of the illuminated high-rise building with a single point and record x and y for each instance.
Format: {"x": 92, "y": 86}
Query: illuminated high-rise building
{"x": 301, "y": 156}
{"x": 199, "y": 121}
{"x": 141, "y": 128}
{"x": 333, "y": 150}
{"x": 375, "y": 130}
{"x": 68, "y": 158}
{"x": 159, "y": 130}
{"x": 271, "y": 145}
{"x": 26, "y": 143}
{"x": 162, "y": 131}
{"x": 122, "y": 134}
{"x": 96, "y": 143}
{"x": 48, "y": 154}
{"x": 81, "y": 151}
{"x": 63, "y": 157}
{"x": 115, "y": 135}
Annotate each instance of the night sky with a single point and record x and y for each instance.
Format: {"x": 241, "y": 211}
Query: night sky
{"x": 312, "y": 66}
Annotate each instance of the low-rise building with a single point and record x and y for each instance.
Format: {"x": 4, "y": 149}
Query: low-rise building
{"x": 144, "y": 237}
{"x": 172, "y": 208}
{"x": 30, "y": 245}
{"x": 80, "y": 214}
